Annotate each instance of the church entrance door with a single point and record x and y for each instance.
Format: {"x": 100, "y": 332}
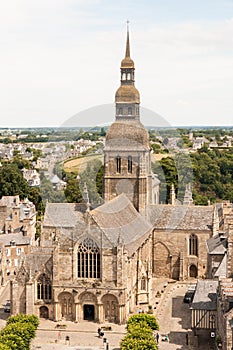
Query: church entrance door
{"x": 88, "y": 312}
{"x": 193, "y": 271}
{"x": 44, "y": 312}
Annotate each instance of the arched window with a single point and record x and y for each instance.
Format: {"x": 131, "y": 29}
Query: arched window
{"x": 118, "y": 164}
{"x": 120, "y": 111}
{"x": 123, "y": 76}
{"x": 130, "y": 164}
{"x": 143, "y": 283}
{"x": 128, "y": 76}
{"x": 44, "y": 288}
{"x": 130, "y": 111}
{"x": 193, "y": 245}
{"x": 88, "y": 259}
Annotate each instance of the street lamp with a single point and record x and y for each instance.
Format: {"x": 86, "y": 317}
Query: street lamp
{"x": 231, "y": 324}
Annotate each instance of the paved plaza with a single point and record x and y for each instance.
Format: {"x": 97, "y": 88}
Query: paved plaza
{"x": 173, "y": 315}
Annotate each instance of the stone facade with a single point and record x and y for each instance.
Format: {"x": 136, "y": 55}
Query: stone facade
{"x": 88, "y": 266}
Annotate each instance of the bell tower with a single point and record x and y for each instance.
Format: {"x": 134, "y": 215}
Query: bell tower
{"x": 127, "y": 161}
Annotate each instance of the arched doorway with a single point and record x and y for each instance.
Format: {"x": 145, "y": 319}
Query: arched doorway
{"x": 193, "y": 271}
{"x": 89, "y": 306}
{"x": 111, "y": 308}
{"x": 88, "y": 312}
{"x": 44, "y": 312}
{"x": 66, "y": 302}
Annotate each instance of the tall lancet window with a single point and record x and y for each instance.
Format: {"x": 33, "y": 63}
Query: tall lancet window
{"x": 130, "y": 164}
{"x": 88, "y": 259}
{"x": 118, "y": 164}
{"x": 193, "y": 245}
{"x": 44, "y": 287}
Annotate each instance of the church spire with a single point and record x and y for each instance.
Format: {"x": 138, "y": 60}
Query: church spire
{"x": 127, "y": 51}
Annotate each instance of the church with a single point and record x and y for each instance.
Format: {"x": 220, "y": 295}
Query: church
{"x": 99, "y": 264}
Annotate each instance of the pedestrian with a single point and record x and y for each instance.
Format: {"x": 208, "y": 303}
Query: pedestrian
{"x": 100, "y": 333}
{"x": 99, "y": 330}
{"x": 157, "y": 337}
{"x": 67, "y": 340}
{"x": 59, "y": 336}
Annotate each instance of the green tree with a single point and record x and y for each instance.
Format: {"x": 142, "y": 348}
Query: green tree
{"x": 72, "y": 191}
{"x": 12, "y": 182}
{"x": 33, "y": 319}
{"x": 23, "y": 330}
{"x": 13, "y": 341}
{"x": 150, "y": 320}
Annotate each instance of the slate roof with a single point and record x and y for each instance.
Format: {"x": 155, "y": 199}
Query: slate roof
{"x": 61, "y": 215}
{"x": 216, "y": 245}
{"x": 181, "y": 217}
{"x": 18, "y": 238}
{"x": 37, "y": 258}
{"x": 118, "y": 217}
{"x": 222, "y": 269}
{"x": 205, "y": 297}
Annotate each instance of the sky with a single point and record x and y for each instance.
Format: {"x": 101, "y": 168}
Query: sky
{"x": 59, "y": 58}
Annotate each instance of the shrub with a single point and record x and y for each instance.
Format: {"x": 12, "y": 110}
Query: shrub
{"x": 26, "y": 331}
{"x": 13, "y": 341}
{"x": 4, "y": 347}
{"x": 32, "y": 319}
{"x": 149, "y": 319}
{"x": 140, "y": 330}
{"x": 130, "y": 343}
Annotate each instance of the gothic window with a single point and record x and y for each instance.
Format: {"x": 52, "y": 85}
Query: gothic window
{"x": 143, "y": 283}
{"x": 193, "y": 245}
{"x": 130, "y": 111}
{"x": 88, "y": 259}
{"x": 130, "y": 164}
{"x": 118, "y": 164}
{"x": 44, "y": 288}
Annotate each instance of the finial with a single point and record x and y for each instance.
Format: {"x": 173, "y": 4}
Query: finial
{"x": 127, "y": 51}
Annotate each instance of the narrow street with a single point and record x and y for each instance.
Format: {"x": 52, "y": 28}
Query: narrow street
{"x": 174, "y": 319}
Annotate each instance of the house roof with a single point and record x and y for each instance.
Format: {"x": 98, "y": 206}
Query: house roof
{"x": 18, "y": 238}
{"x": 216, "y": 245}
{"x": 181, "y": 217}
{"x": 205, "y": 297}
{"x": 222, "y": 269}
